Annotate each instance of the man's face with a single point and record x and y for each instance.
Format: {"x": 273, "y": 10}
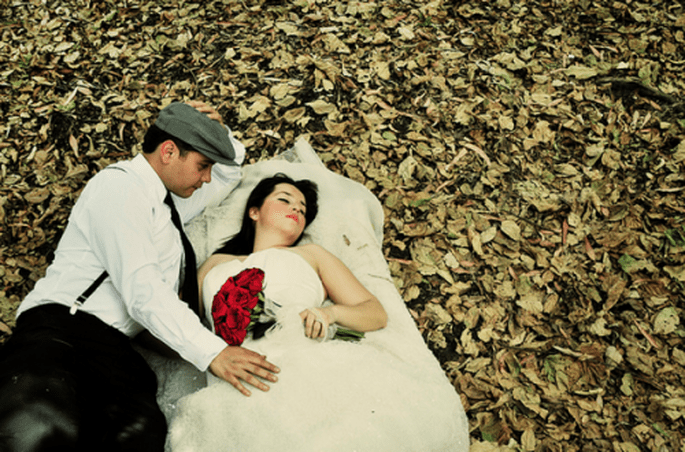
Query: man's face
{"x": 185, "y": 174}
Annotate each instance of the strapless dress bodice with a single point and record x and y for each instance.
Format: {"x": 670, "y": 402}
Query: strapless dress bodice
{"x": 289, "y": 280}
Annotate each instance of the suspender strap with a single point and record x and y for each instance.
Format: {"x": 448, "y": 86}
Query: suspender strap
{"x": 87, "y": 293}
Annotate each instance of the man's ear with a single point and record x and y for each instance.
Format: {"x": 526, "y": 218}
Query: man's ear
{"x": 167, "y": 150}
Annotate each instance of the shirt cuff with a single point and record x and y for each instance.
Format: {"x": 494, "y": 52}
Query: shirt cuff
{"x": 206, "y": 348}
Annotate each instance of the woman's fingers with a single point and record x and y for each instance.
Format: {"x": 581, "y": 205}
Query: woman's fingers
{"x": 314, "y": 326}
{"x": 309, "y": 324}
{"x": 207, "y": 109}
{"x": 317, "y": 328}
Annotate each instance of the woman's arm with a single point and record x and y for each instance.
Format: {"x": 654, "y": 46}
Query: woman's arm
{"x": 354, "y": 306}
{"x": 210, "y": 263}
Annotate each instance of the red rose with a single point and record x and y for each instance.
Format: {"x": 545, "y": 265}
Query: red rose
{"x": 232, "y": 306}
{"x": 219, "y": 309}
{"x": 252, "y": 279}
{"x": 232, "y": 328}
{"x": 241, "y": 297}
{"x": 230, "y": 323}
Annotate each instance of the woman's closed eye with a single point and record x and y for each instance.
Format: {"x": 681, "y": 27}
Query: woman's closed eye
{"x": 287, "y": 201}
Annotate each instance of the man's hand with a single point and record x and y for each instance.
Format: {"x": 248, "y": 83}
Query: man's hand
{"x": 207, "y": 109}
{"x": 236, "y": 363}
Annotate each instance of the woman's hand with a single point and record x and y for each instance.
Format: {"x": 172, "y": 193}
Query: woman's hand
{"x": 206, "y": 109}
{"x": 316, "y": 322}
{"x": 353, "y": 307}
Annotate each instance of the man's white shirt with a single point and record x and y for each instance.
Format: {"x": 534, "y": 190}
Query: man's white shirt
{"x": 121, "y": 224}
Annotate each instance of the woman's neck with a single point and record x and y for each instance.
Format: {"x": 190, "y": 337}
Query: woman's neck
{"x": 266, "y": 241}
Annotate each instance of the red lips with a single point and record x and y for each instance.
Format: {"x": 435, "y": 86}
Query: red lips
{"x": 294, "y": 217}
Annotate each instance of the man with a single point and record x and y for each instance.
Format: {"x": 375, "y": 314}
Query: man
{"x": 69, "y": 378}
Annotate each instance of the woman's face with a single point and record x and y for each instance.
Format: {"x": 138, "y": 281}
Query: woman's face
{"x": 284, "y": 209}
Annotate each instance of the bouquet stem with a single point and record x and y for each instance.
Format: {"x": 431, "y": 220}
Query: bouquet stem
{"x": 345, "y": 334}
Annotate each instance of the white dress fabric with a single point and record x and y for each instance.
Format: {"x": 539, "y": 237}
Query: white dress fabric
{"x": 332, "y": 395}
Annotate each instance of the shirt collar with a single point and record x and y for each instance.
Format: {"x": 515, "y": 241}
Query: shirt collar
{"x": 153, "y": 184}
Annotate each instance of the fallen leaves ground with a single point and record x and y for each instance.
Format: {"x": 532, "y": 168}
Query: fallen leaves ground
{"x": 529, "y": 155}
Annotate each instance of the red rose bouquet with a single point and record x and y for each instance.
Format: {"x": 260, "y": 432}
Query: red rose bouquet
{"x": 238, "y": 305}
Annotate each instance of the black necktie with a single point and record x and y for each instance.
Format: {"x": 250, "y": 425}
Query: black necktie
{"x": 189, "y": 283}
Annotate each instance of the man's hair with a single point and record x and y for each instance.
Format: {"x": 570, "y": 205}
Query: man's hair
{"x": 156, "y": 136}
{"x": 243, "y": 242}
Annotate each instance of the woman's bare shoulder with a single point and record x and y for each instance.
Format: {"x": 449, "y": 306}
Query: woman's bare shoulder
{"x": 216, "y": 259}
{"x": 311, "y": 249}
{"x": 211, "y": 262}
{"x": 316, "y": 255}
{"x": 227, "y": 257}
{"x": 311, "y": 252}
{"x": 221, "y": 258}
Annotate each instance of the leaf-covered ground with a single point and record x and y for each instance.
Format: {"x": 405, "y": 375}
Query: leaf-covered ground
{"x": 529, "y": 155}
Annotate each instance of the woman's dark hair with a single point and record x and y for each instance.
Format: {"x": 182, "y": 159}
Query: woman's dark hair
{"x": 156, "y": 136}
{"x": 243, "y": 242}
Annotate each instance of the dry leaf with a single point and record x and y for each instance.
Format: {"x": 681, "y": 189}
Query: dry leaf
{"x": 37, "y": 195}
{"x": 511, "y": 229}
{"x": 321, "y": 107}
{"x": 581, "y": 72}
{"x": 73, "y": 142}
{"x": 488, "y": 235}
{"x": 294, "y": 114}
{"x": 666, "y": 321}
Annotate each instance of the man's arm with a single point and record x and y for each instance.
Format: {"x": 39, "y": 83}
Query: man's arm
{"x": 148, "y": 341}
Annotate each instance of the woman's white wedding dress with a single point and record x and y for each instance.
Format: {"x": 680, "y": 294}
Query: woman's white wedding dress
{"x": 331, "y": 396}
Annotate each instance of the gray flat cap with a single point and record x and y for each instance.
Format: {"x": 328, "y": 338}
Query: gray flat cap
{"x": 202, "y": 134}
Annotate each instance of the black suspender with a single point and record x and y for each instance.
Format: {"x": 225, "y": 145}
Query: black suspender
{"x": 190, "y": 264}
{"x": 87, "y": 293}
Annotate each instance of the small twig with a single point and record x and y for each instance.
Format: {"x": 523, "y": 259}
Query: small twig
{"x": 633, "y": 84}
{"x": 646, "y": 335}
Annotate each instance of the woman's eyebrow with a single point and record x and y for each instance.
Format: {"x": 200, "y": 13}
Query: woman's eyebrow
{"x": 303, "y": 202}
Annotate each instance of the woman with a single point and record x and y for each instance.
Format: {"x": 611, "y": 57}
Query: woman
{"x": 277, "y": 212}
{"x": 331, "y": 395}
